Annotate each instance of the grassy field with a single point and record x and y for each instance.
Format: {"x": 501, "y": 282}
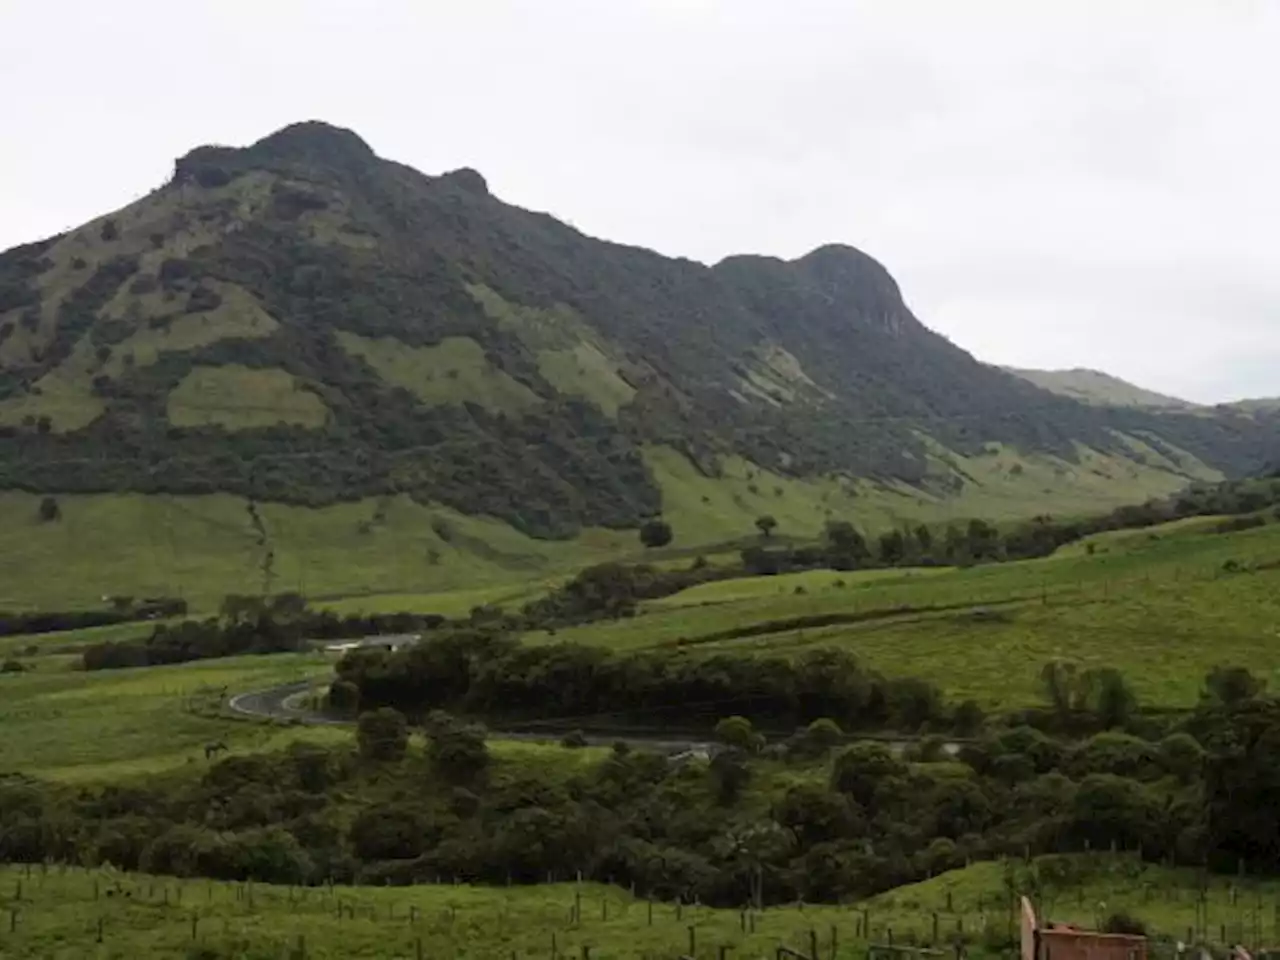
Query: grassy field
{"x": 203, "y": 548}
{"x": 1164, "y": 606}
{"x": 73, "y": 913}
{"x": 71, "y": 725}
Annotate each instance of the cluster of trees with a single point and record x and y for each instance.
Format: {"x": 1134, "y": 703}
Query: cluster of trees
{"x": 612, "y": 591}
{"x": 484, "y": 673}
{"x": 53, "y": 621}
{"x": 248, "y": 625}
{"x": 843, "y": 820}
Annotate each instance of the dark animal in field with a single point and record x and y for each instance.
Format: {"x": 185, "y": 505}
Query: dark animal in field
{"x": 213, "y": 749}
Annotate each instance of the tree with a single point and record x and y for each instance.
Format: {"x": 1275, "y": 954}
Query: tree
{"x": 1113, "y": 698}
{"x": 1230, "y": 685}
{"x": 737, "y": 732}
{"x": 49, "y": 510}
{"x": 862, "y": 768}
{"x": 893, "y": 548}
{"x": 344, "y": 696}
{"x": 766, "y": 524}
{"x": 383, "y": 735}
{"x": 458, "y": 753}
{"x": 730, "y": 774}
{"x": 817, "y": 739}
{"x": 846, "y": 546}
{"x": 655, "y": 533}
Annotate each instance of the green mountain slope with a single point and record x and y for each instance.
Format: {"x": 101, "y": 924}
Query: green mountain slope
{"x": 303, "y": 322}
{"x": 1093, "y": 386}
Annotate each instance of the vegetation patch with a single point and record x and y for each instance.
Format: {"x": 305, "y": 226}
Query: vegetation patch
{"x": 240, "y": 398}
{"x": 455, "y": 371}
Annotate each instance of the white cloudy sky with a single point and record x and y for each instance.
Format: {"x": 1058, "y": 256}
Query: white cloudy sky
{"x": 1054, "y": 182}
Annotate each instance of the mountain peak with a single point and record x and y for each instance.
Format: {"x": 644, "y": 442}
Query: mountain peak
{"x": 314, "y": 140}
{"x": 468, "y": 179}
{"x": 311, "y": 144}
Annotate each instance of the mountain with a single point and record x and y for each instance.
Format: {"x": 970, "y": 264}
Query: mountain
{"x": 303, "y": 322}
{"x": 1096, "y": 387}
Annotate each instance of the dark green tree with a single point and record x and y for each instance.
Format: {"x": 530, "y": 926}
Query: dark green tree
{"x": 458, "y": 753}
{"x": 655, "y": 533}
{"x": 766, "y": 524}
{"x": 383, "y": 735}
{"x": 1230, "y": 685}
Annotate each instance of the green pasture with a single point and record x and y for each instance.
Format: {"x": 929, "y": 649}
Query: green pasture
{"x": 65, "y": 913}
{"x": 1164, "y": 607}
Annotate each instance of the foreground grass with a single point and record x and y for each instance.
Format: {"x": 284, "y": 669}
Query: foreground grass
{"x": 70, "y": 913}
{"x": 1163, "y": 606}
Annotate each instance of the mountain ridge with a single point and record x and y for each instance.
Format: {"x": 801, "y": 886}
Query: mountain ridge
{"x": 302, "y": 321}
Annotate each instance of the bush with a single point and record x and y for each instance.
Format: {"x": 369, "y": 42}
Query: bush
{"x": 12, "y": 666}
{"x": 1125, "y": 924}
{"x": 656, "y": 533}
{"x": 49, "y": 510}
{"x": 574, "y": 739}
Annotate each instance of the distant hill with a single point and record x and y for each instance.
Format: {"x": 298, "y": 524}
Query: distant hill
{"x": 303, "y": 322}
{"x": 1264, "y": 405}
{"x": 1095, "y": 387}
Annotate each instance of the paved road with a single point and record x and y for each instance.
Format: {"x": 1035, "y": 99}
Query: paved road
{"x": 283, "y": 703}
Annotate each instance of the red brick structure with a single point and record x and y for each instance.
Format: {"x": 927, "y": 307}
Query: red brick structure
{"x": 1054, "y": 941}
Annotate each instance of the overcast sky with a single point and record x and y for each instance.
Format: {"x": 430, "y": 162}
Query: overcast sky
{"x": 1053, "y": 184}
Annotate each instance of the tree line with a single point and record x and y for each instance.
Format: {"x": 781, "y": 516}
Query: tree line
{"x": 248, "y": 625}
{"x": 845, "y": 547}
{"x": 493, "y": 675}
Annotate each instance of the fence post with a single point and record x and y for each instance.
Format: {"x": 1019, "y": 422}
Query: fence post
{"x": 693, "y": 940}
{"x": 813, "y": 944}
{"x": 99, "y": 930}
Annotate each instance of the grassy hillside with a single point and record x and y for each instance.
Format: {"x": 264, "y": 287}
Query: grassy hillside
{"x": 1163, "y": 605}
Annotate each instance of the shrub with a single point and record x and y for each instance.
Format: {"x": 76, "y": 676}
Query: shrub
{"x": 656, "y": 533}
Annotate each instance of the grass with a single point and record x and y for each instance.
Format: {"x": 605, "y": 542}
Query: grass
{"x": 585, "y": 371}
{"x": 1161, "y": 606}
{"x": 70, "y": 913}
{"x": 453, "y": 371}
{"x": 240, "y": 398}
{"x": 120, "y": 723}
{"x": 203, "y": 548}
